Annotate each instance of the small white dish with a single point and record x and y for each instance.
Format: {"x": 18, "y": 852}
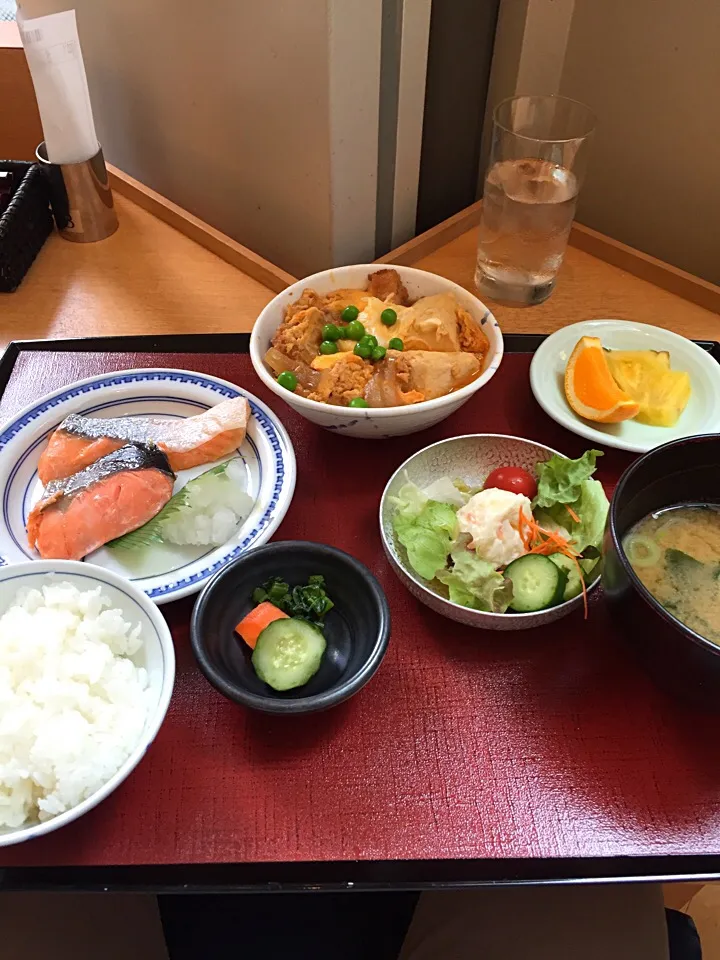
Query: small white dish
{"x": 266, "y": 453}
{"x": 375, "y": 422}
{"x": 702, "y": 414}
{"x": 157, "y": 656}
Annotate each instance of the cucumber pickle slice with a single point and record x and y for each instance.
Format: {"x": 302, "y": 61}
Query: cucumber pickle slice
{"x": 288, "y": 653}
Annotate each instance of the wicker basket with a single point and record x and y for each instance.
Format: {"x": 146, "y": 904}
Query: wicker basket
{"x": 25, "y": 225}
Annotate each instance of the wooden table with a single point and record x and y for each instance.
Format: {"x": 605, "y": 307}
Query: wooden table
{"x": 151, "y": 276}
{"x": 600, "y": 278}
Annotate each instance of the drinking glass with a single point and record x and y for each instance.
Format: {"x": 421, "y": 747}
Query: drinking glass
{"x": 538, "y": 158}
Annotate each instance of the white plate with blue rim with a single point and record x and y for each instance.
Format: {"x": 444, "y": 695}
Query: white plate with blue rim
{"x": 701, "y": 415}
{"x": 266, "y": 457}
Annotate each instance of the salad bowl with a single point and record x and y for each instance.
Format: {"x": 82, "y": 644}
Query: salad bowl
{"x": 470, "y": 460}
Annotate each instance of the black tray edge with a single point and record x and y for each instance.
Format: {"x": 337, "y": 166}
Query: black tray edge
{"x": 361, "y": 875}
{"x": 165, "y": 343}
{"x": 213, "y": 343}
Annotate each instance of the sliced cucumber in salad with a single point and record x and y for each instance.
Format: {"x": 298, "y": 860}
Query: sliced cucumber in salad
{"x": 574, "y": 583}
{"x": 537, "y": 583}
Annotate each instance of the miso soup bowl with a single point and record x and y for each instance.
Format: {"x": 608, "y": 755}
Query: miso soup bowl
{"x": 684, "y": 471}
{"x": 375, "y": 423}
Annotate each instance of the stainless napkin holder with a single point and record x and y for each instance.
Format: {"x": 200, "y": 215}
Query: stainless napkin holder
{"x": 81, "y": 197}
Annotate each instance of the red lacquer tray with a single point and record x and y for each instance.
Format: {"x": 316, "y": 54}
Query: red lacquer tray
{"x": 471, "y": 756}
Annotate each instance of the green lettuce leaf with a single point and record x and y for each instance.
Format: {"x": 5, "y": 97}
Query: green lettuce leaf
{"x": 561, "y": 480}
{"x": 591, "y": 507}
{"x": 564, "y": 483}
{"x": 427, "y": 534}
{"x": 410, "y": 500}
{"x": 449, "y": 491}
{"x": 474, "y": 582}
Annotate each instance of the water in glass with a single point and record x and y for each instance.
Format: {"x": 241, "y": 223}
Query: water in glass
{"x": 527, "y": 211}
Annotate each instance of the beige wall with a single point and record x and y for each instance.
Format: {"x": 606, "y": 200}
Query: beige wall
{"x": 651, "y": 71}
{"x": 223, "y": 107}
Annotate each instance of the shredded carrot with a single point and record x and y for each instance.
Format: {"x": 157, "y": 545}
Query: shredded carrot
{"x": 572, "y": 513}
{"x": 538, "y": 540}
{"x": 582, "y": 584}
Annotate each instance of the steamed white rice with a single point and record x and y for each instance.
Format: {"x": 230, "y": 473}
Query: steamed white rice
{"x": 72, "y": 704}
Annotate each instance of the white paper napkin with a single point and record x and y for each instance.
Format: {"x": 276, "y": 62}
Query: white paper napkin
{"x": 52, "y": 48}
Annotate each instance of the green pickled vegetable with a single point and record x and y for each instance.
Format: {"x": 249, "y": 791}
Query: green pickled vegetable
{"x": 310, "y": 602}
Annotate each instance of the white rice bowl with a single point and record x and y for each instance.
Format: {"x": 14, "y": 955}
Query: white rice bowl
{"x": 86, "y": 672}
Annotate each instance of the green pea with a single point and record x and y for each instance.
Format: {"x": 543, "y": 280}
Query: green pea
{"x": 363, "y": 350}
{"x": 288, "y": 380}
{"x": 330, "y": 332}
{"x": 350, "y": 313}
{"x": 328, "y": 346}
{"x": 378, "y": 353}
{"x": 354, "y": 330}
{"x": 388, "y": 317}
{"x": 370, "y": 340}
{"x": 396, "y": 344}
{"x": 358, "y": 402}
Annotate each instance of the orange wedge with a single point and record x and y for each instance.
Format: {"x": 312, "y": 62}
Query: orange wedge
{"x": 590, "y": 388}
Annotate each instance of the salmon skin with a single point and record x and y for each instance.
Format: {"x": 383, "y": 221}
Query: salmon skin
{"x": 118, "y": 493}
{"x": 80, "y": 441}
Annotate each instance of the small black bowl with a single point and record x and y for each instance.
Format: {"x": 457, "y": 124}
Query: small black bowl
{"x": 683, "y": 471}
{"x": 357, "y": 629}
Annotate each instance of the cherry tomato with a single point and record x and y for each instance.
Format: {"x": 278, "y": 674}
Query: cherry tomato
{"x": 514, "y": 479}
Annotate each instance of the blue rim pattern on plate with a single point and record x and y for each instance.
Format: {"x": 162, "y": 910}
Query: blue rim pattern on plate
{"x": 122, "y": 379}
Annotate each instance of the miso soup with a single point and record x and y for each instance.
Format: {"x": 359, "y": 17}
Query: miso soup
{"x": 676, "y": 554}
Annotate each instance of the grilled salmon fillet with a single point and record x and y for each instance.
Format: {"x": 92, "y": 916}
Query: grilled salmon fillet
{"x": 118, "y": 493}
{"x": 80, "y": 441}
